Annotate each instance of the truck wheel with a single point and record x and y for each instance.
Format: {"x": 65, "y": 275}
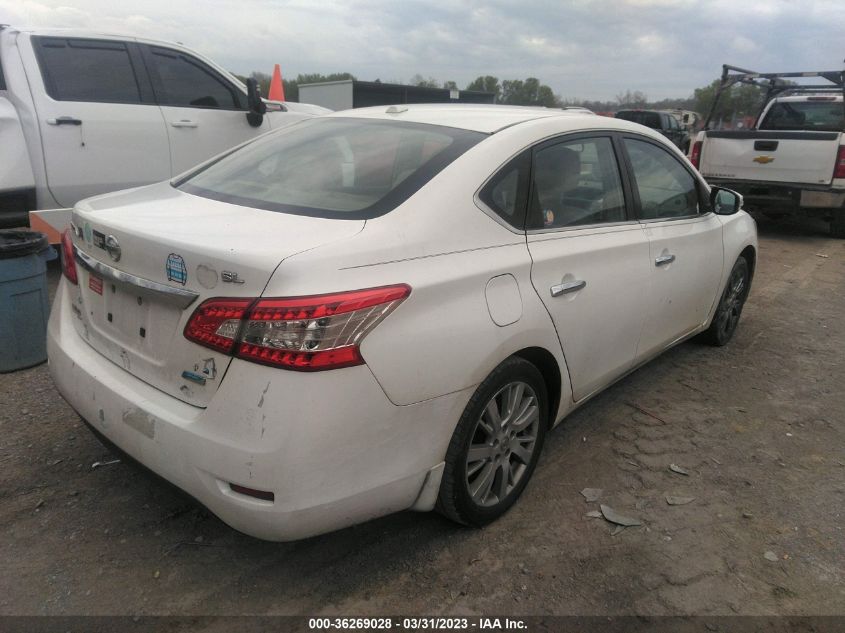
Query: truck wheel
{"x": 837, "y": 224}
{"x": 496, "y": 444}
{"x": 727, "y": 315}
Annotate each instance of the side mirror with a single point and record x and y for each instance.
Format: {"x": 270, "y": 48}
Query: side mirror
{"x": 257, "y": 107}
{"x": 725, "y": 201}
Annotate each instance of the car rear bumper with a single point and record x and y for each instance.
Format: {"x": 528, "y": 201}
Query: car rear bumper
{"x": 330, "y": 446}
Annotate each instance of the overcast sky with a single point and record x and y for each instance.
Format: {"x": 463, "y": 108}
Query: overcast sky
{"x": 590, "y": 49}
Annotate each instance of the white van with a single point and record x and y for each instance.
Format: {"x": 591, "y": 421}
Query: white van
{"x": 83, "y": 113}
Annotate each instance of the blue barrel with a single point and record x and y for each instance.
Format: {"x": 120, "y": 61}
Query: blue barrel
{"x": 24, "y": 302}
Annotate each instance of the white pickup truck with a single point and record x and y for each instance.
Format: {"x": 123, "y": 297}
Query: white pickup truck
{"x": 792, "y": 162}
{"x": 82, "y": 113}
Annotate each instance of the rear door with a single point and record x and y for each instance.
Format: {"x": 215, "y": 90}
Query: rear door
{"x": 205, "y": 113}
{"x": 685, "y": 243}
{"x": 590, "y": 257}
{"x": 100, "y": 127}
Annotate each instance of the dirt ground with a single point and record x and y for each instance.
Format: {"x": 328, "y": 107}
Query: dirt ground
{"x": 759, "y": 425}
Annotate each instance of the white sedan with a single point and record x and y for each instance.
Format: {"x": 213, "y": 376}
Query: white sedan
{"x": 387, "y": 309}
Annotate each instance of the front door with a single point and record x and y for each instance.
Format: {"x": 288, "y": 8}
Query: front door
{"x": 590, "y": 258}
{"x": 685, "y": 244}
{"x": 100, "y": 127}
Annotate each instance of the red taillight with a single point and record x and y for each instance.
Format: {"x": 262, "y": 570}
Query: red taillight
{"x": 839, "y": 168}
{"x": 216, "y": 323}
{"x": 300, "y": 333}
{"x": 695, "y": 154}
{"x": 68, "y": 261}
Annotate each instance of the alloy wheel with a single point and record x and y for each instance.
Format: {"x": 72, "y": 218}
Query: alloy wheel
{"x": 732, "y": 302}
{"x": 503, "y": 444}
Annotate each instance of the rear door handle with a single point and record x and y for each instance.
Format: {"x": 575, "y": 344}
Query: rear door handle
{"x": 64, "y": 120}
{"x": 664, "y": 259}
{"x": 566, "y": 288}
{"x": 183, "y": 123}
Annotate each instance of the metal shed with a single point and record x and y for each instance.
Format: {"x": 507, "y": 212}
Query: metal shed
{"x": 351, "y": 93}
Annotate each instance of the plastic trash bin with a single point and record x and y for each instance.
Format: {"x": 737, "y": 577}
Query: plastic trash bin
{"x": 24, "y": 302}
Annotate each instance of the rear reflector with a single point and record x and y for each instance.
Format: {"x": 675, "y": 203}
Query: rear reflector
{"x": 695, "y": 154}
{"x": 300, "y": 333}
{"x": 839, "y": 168}
{"x": 264, "y": 495}
{"x": 68, "y": 261}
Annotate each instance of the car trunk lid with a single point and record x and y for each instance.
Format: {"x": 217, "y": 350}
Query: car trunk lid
{"x": 175, "y": 251}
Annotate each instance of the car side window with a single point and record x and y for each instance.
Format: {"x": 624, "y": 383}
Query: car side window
{"x": 87, "y": 70}
{"x": 666, "y": 189}
{"x": 576, "y": 183}
{"x": 181, "y": 80}
{"x": 507, "y": 191}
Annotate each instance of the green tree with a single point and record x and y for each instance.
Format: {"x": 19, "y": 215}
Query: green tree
{"x": 486, "y": 83}
{"x": 740, "y": 100}
{"x": 450, "y": 85}
{"x": 529, "y": 92}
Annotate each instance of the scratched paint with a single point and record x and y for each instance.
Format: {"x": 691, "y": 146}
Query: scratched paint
{"x": 263, "y": 393}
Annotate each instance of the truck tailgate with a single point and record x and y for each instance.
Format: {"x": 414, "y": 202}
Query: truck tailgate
{"x": 788, "y": 157}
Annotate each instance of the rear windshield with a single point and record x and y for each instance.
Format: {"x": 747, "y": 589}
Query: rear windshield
{"x": 333, "y": 167}
{"x": 805, "y": 115}
{"x": 649, "y": 119}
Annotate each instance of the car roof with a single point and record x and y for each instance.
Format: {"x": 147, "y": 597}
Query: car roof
{"x": 476, "y": 117}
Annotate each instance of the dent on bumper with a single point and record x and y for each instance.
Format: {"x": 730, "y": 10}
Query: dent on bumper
{"x": 331, "y": 446}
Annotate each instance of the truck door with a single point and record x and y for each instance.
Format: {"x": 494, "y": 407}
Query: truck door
{"x": 100, "y": 127}
{"x": 204, "y": 112}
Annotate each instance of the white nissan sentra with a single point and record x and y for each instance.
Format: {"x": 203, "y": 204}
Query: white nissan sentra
{"x": 387, "y": 309}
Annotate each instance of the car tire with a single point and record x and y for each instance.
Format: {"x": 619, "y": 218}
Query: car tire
{"x": 731, "y": 303}
{"x": 488, "y": 466}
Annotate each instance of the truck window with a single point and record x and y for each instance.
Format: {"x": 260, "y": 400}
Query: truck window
{"x": 87, "y": 70}
{"x": 805, "y": 115}
{"x": 181, "y": 80}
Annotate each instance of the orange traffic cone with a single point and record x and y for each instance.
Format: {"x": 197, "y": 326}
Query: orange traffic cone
{"x": 277, "y": 88}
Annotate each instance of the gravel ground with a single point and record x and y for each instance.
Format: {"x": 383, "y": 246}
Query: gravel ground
{"x": 758, "y": 426}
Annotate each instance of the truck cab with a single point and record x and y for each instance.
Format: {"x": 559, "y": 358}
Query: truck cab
{"x": 85, "y": 113}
